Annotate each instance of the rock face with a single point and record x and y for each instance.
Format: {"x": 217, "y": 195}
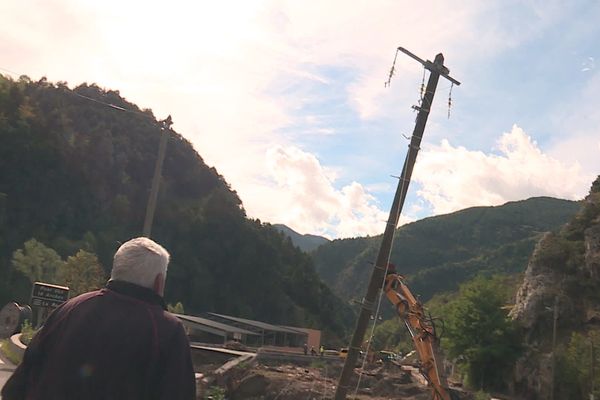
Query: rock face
{"x": 531, "y": 310}
{"x": 538, "y": 284}
{"x": 560, "y": 282}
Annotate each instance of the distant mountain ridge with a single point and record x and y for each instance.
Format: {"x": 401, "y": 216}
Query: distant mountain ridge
{"x": 306, "y": 242}
{"x": 439, "y": 253}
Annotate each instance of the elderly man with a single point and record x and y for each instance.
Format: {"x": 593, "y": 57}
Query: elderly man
{"x": 114, "y": 343}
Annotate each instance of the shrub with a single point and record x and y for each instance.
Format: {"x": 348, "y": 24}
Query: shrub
{"x": 27, "y": 332}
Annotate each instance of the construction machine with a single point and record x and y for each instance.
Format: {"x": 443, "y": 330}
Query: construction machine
{"x": 422, "y": 329}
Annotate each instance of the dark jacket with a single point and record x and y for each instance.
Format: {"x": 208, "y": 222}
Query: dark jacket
{"x": 111, "y": 344}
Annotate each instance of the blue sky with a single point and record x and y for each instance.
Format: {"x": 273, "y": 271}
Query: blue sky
{"x": 286, "y": 98}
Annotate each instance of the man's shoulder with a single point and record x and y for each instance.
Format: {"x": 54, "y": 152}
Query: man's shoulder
{"x": 170, "y": 318}
{"x": 82, "y": 298}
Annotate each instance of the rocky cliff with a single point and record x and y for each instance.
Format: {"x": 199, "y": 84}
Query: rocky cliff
{"x": 562, "y": 282}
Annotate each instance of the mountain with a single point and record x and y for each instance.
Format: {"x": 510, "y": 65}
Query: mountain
{"x": 558, "y": 308}
{"x": 75, "y": 174}
{"x": 436, "y": 254}
{"x": 306, "y": 242}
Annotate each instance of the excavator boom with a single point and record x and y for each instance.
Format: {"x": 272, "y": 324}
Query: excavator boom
{"x": 422, "y": 331}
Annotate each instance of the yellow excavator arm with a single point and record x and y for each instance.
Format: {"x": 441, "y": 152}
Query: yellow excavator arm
{"x": 422, "y": 331}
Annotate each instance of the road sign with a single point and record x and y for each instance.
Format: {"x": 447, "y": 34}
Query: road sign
{"x": 47, "y": 295}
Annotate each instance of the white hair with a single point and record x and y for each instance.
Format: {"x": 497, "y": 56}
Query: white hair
{"x": 139, "y": 261}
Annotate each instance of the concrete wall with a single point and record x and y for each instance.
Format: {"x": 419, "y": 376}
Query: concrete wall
{"x": 16, "y": 347}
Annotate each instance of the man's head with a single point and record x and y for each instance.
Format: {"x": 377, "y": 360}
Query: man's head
{"x": 143, "y": 262}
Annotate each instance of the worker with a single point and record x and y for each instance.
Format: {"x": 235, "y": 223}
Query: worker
{"x": 321, "y": 350}
{"x": 305, "y": 349}
{"x": 115, "y": 343}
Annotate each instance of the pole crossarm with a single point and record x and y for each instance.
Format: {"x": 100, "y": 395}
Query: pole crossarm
{"x": 442, "y": 70}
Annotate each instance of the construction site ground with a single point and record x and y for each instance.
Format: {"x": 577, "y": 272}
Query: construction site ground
{"x": 289, "y": 381}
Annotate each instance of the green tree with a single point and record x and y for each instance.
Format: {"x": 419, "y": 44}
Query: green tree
{"x": 392, "y": 335}
{"x": 175, "y": 309}
{"x": 574, "y": 367}
{"x": 478, "y": 329}
{"x": 81, "y": 273}
{"x": 37, "y": 261}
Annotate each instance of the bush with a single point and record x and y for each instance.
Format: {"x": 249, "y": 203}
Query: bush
{"x": 482, "y": 396}
{"x": 215, "y": 393}
{"x": 27, "y": 332}
{"x": 561, "y": 254}
{"x": 574, "y": 366}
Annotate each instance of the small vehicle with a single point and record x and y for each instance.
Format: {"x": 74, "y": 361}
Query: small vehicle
{"x": 343, "y": 352}
{"x": 387, "y": 356}
{"x": 330, "y": 352}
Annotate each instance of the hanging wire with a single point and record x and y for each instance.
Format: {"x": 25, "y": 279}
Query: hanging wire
{"x": 310, "y": 391}
{"x": 74, "y": 93}
{"x": 392, "y": 70}
{"x": 285, "y": 389}
{"x": 422, "y": 92}
{"x": 9, "y": 71}
{"x": 372, "y": 335}
{"x": 450, "y": 99}
{"x": 381, "y": 291}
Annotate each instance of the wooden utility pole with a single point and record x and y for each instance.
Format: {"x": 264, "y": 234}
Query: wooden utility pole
{"x": 555, "y": 319}
{"x": 162, "y": 147}
{"x": 592, "y": 368}
{"x": 436, "y": 69}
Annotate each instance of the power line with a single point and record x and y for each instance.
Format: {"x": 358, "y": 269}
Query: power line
{"x": 9, "y": 71}
{"x": 165, "y": 126}
{"x": 109, "y": 105}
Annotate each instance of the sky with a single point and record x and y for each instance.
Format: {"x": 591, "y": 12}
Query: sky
{"x": 286, "y": 99}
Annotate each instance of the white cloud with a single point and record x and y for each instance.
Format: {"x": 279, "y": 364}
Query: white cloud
{"x": 454, "y": 178}
{"x": 214, "y": 67}
{"x": 229, "y": 72}
{"x": 302, "y": 195}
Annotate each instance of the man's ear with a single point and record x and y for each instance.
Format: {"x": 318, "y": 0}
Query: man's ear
{"x": 159, "y": 284}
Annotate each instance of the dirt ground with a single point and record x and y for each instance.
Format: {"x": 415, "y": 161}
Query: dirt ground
{"x": 292, "y": 382}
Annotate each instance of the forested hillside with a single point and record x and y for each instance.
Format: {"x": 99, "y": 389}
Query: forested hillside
{"x": 75, "y": 175}
{"x": 439, "y": 253}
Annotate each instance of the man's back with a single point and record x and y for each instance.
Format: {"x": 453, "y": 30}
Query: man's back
{"x": 115, "y": 343}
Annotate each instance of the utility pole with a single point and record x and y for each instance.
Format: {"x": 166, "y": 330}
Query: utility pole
{"x": 162, "y": 147}
{"x": 592, "y": 374}
{"x": 436, "y": 69}
{"x": 554, "y": 346}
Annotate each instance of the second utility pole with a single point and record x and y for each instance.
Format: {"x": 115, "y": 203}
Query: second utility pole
{"x": 436, "y": 68}
{"x": 162, "y": 147}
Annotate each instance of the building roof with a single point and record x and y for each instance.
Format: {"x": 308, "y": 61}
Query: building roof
{"x": 215, "y": 325}
{"x": 262, "y": 325}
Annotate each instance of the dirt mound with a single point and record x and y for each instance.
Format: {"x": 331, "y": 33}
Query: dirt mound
{"x": 289, "y": 382}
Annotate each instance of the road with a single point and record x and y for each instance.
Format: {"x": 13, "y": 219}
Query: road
{"x": 6, "y": 369}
